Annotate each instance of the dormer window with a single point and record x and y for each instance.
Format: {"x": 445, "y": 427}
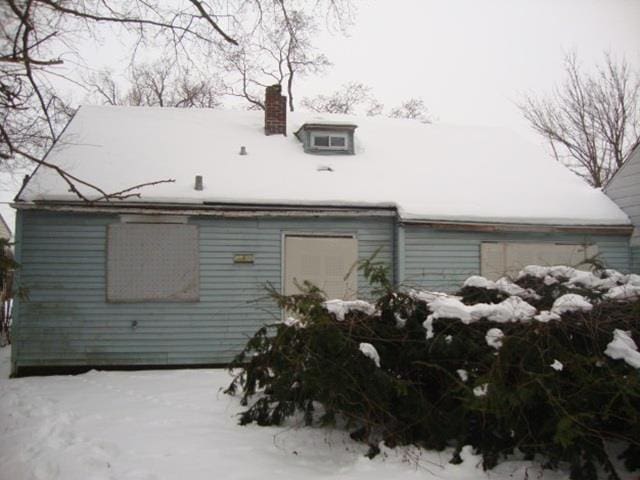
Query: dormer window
{"x": 334, "y": 141}
{"x": 327, "y": 138}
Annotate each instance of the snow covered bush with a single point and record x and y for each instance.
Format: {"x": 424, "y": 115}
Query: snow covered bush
{"x": 546, "y": 367}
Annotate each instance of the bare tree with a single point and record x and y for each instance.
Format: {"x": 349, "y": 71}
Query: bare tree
{"x": 412, "y": 109}
{"x": 38, "y": 36}
{"x": 348, "y": 99}
{"x": 35, "y": 37}
{"x": 278, "y": 50}
{"x": 374, "y": 108}
{"x": 161, "y": 84}
{"x": 356, "y": 97}
{"x": 592, "y": 120}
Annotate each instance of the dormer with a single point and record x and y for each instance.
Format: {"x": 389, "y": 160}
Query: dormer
{"x": 327, "y": 138}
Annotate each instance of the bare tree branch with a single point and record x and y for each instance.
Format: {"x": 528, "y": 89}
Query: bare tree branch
{"x": 279, "y": 50}
{"x": 161, "y": 84}
{"x": 74, "y": 182}
{"x": 591, "y": 121}
{"x": 199, "y": 6}
{"x": 32, "y": 113}
{"x": 264, "y": 40}
{"x": 355, "y": 97}
{"x": 412, "y": 109}
{"x": 346, "y": 100}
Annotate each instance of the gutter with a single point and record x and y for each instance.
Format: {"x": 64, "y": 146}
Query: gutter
{"x": 228, "y": 210}
{"x": 211, "y": 210}
{"x": 497, "y": 227}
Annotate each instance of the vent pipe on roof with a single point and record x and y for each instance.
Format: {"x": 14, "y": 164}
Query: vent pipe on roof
{"x": 243, "y": 150}
{"x": 275, "y": 111}
{"x": 199, "y": 185}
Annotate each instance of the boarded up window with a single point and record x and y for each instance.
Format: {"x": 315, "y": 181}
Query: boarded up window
{"x": 327, "y": 262}
{"x": 507, "y": 259}
{"x": 152, "y": 262}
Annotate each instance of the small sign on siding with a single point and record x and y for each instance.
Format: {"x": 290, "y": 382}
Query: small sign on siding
{"x": 243, "y": 258}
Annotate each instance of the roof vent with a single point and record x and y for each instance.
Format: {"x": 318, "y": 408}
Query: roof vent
{"x": 199, "y": 184}
{"x": 324, "y": 168}
{"x": 243, "y": 150}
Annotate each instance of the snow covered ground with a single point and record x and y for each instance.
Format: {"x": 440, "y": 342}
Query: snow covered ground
{"x": 177, "y": 424}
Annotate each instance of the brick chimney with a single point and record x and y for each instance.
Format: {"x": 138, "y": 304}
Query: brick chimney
{"x": 275, "y": 111}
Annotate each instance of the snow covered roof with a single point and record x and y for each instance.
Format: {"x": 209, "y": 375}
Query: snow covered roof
{"x": 429, "y": 172}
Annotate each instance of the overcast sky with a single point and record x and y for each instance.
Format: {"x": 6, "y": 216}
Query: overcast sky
{"x": 470, "y": 60}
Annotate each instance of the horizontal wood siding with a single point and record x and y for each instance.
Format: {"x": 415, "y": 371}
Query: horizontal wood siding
{"x": 635, "y": 252}
{"x": 442, "y": 260}
{"x": 624, "y": 187}
{"x": 66, "y": 320}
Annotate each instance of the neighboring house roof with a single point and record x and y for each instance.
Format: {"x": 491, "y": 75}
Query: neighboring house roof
{"x": 429, "y": 172}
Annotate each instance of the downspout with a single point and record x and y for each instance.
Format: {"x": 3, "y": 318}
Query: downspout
{"x": 400, "y": 253}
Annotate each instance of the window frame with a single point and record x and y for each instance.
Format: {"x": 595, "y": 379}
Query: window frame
{"x": 330, "y": 135}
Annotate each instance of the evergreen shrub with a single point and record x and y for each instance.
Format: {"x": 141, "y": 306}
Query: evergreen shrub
{"x": 546, "y": 390}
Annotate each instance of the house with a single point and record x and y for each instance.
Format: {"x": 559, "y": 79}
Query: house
{"x": 176, "y": 276}
{"x": 624, "y": 189}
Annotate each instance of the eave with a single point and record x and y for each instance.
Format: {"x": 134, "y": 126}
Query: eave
{"x": 234, "y": 210}
{"x": 497, "y": 227}
{"x": 210, "y": 209}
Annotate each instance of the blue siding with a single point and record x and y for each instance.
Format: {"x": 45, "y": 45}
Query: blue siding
{"x": 66, "y": 321}
{"x": 624, "y": 187}
{"x": 442, "y": 260}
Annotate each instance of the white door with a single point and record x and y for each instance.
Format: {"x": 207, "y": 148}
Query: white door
{"x": 327, "y": 262}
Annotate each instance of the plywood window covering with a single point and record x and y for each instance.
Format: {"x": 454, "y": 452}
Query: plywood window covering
{"x": 327, "y": 262}
{"x": 152, "y": 262}
{"x": 498, "y": 259}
